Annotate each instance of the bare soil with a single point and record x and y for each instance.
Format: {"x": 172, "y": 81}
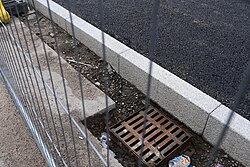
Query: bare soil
{"x": 127, "y": 97}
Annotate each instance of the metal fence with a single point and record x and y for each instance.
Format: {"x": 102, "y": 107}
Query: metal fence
{"x": 48, "y": 117}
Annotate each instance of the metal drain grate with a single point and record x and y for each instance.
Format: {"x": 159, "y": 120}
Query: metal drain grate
{"x": 163, "y": 139}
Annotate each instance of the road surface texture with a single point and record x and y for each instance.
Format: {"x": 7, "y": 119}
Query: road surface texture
{"x": 17, "y": 147}
{"x": 206, "y": 43}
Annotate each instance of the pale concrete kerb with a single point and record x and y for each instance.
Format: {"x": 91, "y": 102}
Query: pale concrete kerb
{"x": 92, "y": 38}
{"x": 237, "y": 140}
{"x": 135, "y": 68}
{"x": 184, "y": 101}
{"x": 59, "y": 14}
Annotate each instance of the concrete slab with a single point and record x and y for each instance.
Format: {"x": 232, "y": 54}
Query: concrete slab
{"x": 237, "y": 140}
{"x": 94, "y": 98}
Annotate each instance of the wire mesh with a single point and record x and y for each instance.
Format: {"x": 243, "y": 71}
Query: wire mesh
{"x": 46, "y": 114}
{"x": 36, "y": 90}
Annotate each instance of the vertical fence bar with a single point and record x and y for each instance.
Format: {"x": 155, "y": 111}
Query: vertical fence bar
{"x": 237, "y": 99}
{"x": 80, "y": 81}
{"x": 105, "y": 80}
{"x": 152, "y": 48}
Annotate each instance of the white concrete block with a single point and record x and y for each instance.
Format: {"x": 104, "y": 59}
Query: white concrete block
{"x": 237, "y": 140}
{"x": 59, "y": 14}
{"x": 135, "y": 68}
{"x": 187, "y": 103}
{"x": 91, "y": 37}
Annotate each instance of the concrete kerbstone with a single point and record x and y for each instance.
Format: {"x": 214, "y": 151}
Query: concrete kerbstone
{"x": 237, "y": 140}
{"x": 91, "y": 37}
{"x": 135, "y": 68}
{"x": 59, "y": 14}
{"x": 181, "y": 99}
{"x": 187, "y": 103}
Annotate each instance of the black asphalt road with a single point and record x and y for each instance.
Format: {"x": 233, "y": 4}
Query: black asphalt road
{"x": 206, "y": 43}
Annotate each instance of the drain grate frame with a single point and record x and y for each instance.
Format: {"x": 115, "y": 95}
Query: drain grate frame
{"x": 163, "y": 138}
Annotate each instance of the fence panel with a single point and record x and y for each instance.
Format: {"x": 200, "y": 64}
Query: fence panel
{"x": 48, "y": 114}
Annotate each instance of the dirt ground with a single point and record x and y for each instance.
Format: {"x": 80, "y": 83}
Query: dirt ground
{"x": 127, "y": 97}
{"x": 17, "y": 147}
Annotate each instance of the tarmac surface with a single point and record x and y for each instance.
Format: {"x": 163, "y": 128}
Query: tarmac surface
{"x": 206, "y": 43}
